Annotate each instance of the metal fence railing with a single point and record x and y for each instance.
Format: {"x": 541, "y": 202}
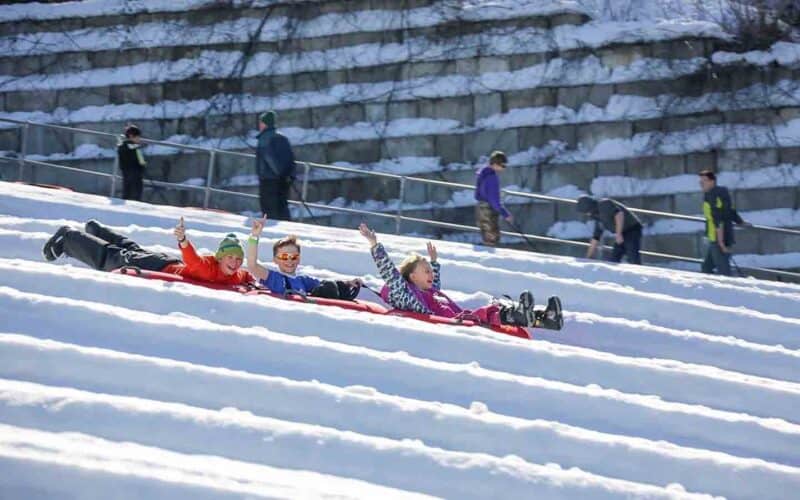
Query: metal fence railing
{"x": 403, "y": 180}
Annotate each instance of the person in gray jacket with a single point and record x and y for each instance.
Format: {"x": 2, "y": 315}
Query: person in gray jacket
{"x": 613, "y": 216}
{"x": 275, "y": 168}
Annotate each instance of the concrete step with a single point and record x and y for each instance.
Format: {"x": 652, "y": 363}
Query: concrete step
{"x": 225, "y": 118}
{"x": 200, "y": 14}
{"x": 201, "y": 78}
{"x": 465, "y": 143}
{"x": 175, "y": 38}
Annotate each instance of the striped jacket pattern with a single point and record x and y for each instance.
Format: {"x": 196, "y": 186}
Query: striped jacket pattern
{"x": 400, "y": 294}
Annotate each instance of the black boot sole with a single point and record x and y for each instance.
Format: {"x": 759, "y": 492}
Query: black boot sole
{"x": 49, "y": 250}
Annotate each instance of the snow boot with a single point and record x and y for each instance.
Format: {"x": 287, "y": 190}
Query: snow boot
{"x": 525, "y": 307}
{"x": 54, "y": 247}
{"x": 520, "y": 314}
{"x": 550, "y": 318}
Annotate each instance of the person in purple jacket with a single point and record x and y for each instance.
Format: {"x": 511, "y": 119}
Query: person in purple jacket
{"x": 487, "y": 193}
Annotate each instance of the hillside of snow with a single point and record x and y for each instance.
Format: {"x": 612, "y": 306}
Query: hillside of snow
{"x": 663, "y": 384}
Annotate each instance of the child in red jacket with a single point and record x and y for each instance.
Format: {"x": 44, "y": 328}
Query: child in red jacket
{"x": 101, "y": 248}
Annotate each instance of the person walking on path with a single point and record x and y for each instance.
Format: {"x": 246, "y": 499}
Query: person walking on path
{"x": 487, "y": 193}
{"x": 720, "y": 215}
{"x": 611, "y": 215}
{"x": 131, "y": 163}
{"x": 275, "y": 168}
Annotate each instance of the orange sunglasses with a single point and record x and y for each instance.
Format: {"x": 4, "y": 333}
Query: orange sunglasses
{"x": 288, "y": 256}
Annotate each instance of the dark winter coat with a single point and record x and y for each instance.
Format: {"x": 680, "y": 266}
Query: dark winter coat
{"x": 131, "y": 159}
{"x": 274, "y": 156}
{"x": 603, "y": 218}
{"x": 720, "y": 212}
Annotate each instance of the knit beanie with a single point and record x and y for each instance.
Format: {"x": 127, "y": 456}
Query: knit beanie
{"x": 230, "y": 245}
{"x": 268, "y": 118}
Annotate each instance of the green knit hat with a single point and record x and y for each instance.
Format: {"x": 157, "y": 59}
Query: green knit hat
{"x": 268, "y": 118}
{"x": 230, "y": 245}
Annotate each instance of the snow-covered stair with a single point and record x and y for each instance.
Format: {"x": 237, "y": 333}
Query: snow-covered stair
{"x": 663, "y": 384}
{"x": 630, "y": 110}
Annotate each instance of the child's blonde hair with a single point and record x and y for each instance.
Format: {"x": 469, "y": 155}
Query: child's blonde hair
{"x": 409, "y": 264}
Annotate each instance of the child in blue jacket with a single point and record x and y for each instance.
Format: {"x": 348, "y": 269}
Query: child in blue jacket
{"x": 286, "y": 256}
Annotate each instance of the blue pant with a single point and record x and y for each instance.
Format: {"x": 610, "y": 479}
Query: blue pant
{"x": 716, "y": 258}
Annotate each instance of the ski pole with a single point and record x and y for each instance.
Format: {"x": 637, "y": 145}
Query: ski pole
{"x": 738, "y": 269}
{"x": 303, "y": 202}
{"x": 519, "y": 230}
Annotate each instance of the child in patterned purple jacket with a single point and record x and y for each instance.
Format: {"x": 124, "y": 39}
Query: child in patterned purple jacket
{"x": 416, "y": 287}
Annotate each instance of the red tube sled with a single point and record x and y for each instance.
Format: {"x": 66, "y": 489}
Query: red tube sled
{"x": 46, "y": 186}
{"x": 516, "y": 331}
{"x": 354, "y": 305}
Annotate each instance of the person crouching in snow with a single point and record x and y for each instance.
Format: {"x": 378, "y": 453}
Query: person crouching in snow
{"x": 416, "y": 287}
{"x": 101, "y": 248}
{"x": 286, "y": 256}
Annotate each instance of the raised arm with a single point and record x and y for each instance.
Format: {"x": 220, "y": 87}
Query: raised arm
{"x": 386, "y": 269}
{"x": 399, "y": 294}
{"x": 190, "y": 257}
{"x": 256, "y": 269}
{"x": 188, "y": 253}
{"x": 437, "y": 276}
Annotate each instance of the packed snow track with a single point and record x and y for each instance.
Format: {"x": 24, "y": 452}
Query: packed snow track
{"x": 663, "y": 384}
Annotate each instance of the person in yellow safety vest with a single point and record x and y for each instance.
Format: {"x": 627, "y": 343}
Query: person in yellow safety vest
{"x": 720, "y": 215}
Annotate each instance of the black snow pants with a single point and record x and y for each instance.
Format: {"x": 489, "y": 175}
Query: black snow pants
{"x": 106, "y": 250}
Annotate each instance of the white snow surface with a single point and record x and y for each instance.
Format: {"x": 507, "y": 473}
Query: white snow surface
{"x": 663, "y": 383}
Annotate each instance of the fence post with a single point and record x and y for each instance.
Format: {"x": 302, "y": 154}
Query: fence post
{"x": 398, "y": 220}
{"x": 304, "y": 191}
{"x": 209, "y": 177}
{"x": 114, "y": 172}
{"x": 23, "y": 150}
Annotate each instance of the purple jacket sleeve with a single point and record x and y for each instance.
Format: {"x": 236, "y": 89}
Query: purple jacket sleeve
{"x": 489, "y": 191}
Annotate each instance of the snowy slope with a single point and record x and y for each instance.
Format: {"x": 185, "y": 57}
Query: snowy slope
{"x": 663, "y": 384}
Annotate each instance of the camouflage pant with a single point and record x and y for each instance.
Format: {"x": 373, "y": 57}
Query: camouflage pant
{"x": 487, "y": 220}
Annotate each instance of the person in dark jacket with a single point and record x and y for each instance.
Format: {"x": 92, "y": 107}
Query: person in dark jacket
{"x": 611, "y": 215}
{"x": 720, "y": 215}
{"x": 131, "y": 163}
{"x": 101, "y": 248}
{"x": 275, "y": 168}
{"x": 487, "y": 193}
